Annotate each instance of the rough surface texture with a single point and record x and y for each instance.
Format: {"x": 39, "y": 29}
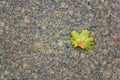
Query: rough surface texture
{"x": 34, "y": 40}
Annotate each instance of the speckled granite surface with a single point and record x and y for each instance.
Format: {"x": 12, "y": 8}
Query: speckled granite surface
{"x": 34, "y": 40}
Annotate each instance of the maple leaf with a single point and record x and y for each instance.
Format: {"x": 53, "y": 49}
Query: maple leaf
{"x": 82, "y": 40}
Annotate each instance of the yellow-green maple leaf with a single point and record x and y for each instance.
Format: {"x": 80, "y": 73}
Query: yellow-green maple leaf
{"x": 82, "y": 40}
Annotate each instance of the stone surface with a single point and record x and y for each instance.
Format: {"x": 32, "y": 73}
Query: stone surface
{"x": 34, "y": 40}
